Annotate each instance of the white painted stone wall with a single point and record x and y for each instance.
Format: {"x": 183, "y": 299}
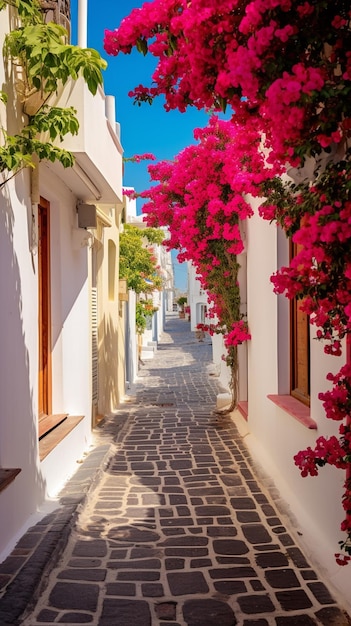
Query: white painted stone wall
{"x": 38, "y": 482}
{"x": 272, "y": 434}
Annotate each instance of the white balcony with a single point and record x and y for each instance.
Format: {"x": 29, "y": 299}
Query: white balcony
{"x": 97, "y": 173}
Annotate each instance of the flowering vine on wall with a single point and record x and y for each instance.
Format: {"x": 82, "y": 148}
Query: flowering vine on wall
{"x": 318, "y": 219}
{"x": 284, "y": 67}
{"x": 285, "y": 63}
{"x": 199, "y": 197}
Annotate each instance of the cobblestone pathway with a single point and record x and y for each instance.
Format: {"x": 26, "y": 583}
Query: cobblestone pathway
{"x": 178, "y": 530}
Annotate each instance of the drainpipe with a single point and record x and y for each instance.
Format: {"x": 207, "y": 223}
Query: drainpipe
{"x": 82, "y": 23}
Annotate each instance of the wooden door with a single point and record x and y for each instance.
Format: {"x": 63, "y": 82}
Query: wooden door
{"x": 44, "y": 308}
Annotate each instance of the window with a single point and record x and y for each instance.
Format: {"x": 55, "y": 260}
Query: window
{"x": 293, "y": 350}
{"x": 299, "y": 349}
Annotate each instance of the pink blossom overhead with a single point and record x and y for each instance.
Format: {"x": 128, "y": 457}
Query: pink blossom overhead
{"x": 259, "y": 56}
{"x": 137, "y": 158}
{"x": 200, "y": 197}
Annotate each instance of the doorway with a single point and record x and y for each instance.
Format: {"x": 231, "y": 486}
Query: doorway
{"x": 45, "y": 383}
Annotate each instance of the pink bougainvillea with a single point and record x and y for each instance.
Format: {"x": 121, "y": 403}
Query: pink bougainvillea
{"x": 200, "y": 198}
{"x": 286, "y": 63}
{"x": 237, "y": 334}
{"x": 318, "y": 219}
{"x": 137, "y": 158}
{"x": 284, "y": 68}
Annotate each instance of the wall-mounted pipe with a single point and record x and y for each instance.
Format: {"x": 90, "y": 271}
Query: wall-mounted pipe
{"x": 82, "y": 23}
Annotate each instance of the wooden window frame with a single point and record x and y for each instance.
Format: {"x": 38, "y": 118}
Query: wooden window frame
{"x": 300, "y": 374}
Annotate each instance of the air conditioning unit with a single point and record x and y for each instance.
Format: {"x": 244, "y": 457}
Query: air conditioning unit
{"x": 86, "y": 215}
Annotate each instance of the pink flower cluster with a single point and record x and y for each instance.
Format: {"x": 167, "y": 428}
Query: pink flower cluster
{"x": 320, "y": 272}
{"x": 137, "y": 158}
{"x": 211, "y": 329}
{"x": 130, "y": 193}
{"x": 337, "y": 402}
{"x": 200, "y": 198}
{"x": 282, "y": 59}
{"x": 237, "y": 334}
{"x": 326, "y": 451}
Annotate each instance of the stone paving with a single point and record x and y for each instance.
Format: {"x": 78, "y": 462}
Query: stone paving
{"x": 178, "y": 528}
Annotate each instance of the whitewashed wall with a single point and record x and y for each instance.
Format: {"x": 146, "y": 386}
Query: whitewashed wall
{"x": 70, "y": 308}
{"x": 272, "y": 434}
{"x": 70, "y": 356}
{"x": 18, "y": 380}
{"x": 196, "y": 297}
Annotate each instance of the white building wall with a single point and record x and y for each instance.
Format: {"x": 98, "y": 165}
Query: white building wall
{"x": 18, "y": 380}
{"x": 272, "y": 434}
{"x": 71, "y": 372}
{"x": 262, "y": 316}
{"x": 70, "y": 309}
{"x": 197, "y": 298}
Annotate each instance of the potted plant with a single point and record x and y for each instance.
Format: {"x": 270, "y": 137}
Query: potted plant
{"x": 181, "y": 302}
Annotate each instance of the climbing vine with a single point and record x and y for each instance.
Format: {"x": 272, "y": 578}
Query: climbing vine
{"x": 137, "y": 262}
{"x": 317, "y": 217}
{"x": 138, "y": 265}
{"x": 144, "y": 311}
{"x": 200, "y": 198}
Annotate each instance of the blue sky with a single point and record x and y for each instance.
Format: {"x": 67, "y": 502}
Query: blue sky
{"x": 146, "y": 128}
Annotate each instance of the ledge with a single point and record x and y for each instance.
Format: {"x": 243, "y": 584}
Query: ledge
{"x": 295, "y": 408}
{"x": 7, "y": 476}
{"x": 49, "y": 422}
{"x": 243, "y": 407}
{"x": 53, "y": 438}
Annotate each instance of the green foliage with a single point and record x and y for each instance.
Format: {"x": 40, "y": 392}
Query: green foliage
{"x": 27, "y": 9}
{"x": 137, "y": 264}
{"x": 19, "y": 149}
{"x": 47, "y": 62}
{"x": 54, "y": 120}
{"x": 144, "y": 310}
{"x": 153, "y": 235}
{"x": 182, "y": 300}
{"x": 140, "y": 318}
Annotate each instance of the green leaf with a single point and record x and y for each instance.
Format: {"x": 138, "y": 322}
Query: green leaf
{"x": 141, "y": 46}
{"x": 57, "y": 121}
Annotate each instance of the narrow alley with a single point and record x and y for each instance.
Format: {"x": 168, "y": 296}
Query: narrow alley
{"x": 179, "y": 527}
